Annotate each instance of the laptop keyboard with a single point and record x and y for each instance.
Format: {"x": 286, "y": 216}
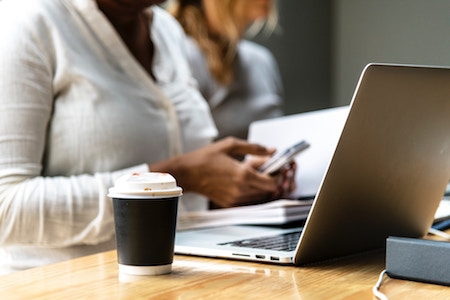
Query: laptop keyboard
{"x": 283, "y": 242}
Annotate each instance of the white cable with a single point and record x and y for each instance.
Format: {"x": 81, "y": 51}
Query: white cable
{"x": 439, "y": 233}
{"x": 376, "y": 288}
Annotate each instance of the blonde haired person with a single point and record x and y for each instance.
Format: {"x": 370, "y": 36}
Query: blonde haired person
{"x": 239, "y": 78}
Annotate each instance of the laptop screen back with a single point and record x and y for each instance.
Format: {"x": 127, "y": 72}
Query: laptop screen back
{"x": 391, "y": 165}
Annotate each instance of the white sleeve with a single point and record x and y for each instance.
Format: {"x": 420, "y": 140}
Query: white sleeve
{"x": 37, "y": 210}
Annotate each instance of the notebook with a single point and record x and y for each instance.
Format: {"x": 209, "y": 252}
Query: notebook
{"x": 387, "y": 176}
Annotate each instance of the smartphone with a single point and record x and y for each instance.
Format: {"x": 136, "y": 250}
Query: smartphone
{"x": 277, "y": 161}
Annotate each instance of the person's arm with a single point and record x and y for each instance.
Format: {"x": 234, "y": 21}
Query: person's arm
{"x": 216, "y": 172}
{"x": 38, "y": 210}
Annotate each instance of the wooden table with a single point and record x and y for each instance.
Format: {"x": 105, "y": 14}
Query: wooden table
{"x": 97, "y": 277}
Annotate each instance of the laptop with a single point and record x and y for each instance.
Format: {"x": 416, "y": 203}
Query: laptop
{"x": 387, "y": 176}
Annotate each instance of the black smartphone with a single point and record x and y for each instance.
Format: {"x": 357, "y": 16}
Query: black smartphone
{"x": 277, "y": 161}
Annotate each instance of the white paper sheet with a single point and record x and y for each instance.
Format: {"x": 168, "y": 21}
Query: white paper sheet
{"x": 321, "y": 129}
{"x": 272, "y": 213}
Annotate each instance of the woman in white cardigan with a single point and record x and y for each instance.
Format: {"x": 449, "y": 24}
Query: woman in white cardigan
{"x": 90, "y": 90}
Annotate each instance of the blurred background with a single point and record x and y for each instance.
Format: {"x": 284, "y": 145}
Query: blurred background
{"x": 322, "y": 46}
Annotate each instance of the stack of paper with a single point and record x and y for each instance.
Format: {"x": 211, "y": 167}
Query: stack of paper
{"x": 273, "y": 213}
{"x": 443, "y": 211}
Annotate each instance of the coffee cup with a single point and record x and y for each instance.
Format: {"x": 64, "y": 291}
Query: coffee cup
{"x": 145, "y": 214}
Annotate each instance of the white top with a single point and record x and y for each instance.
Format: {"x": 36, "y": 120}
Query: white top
{"x": 255, "y": 93}
{"x": 76, "y": 112}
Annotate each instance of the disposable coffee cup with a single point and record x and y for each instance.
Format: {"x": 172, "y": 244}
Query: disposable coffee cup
{"x": 145, "y": 215}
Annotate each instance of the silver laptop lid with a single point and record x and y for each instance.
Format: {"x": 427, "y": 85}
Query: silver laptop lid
{"x": 390, "y": 168}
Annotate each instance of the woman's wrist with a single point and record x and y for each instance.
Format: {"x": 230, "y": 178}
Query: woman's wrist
{"x": 175, "y": 167}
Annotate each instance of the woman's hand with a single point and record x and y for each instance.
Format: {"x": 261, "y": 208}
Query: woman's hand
{"x": 216, "y": 172}
{"x": 285, "y": 176}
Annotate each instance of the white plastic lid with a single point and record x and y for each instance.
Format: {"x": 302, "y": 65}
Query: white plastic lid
{"x": 145, "y": 185}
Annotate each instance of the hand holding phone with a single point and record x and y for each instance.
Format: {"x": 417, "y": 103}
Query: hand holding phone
{"x": 276, "y": 162}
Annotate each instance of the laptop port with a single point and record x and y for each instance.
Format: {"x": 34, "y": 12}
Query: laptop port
{"x": 274, "y": 258}
{"x": 260, "y": 256}
{"x": 236, "y": 254}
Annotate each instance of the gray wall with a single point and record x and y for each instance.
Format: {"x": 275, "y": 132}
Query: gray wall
{"x": 303, "y": 51}
{"x": 394, "y": 31}
{"x": 324, "y": 45}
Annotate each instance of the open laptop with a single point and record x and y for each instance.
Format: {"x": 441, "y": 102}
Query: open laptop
{"x": 387, "y": 176}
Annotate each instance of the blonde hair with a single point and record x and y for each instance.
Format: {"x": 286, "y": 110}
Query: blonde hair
{"x": 220, "y": 50}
